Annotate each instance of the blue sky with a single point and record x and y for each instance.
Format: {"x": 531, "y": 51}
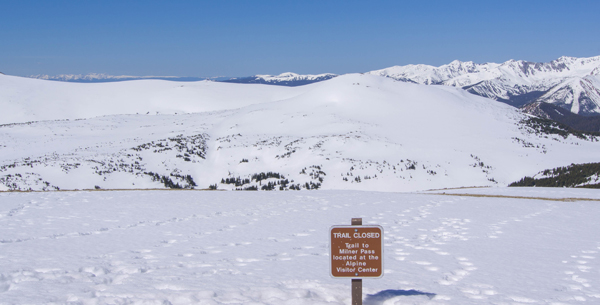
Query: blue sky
{"x": 241, "y": 38}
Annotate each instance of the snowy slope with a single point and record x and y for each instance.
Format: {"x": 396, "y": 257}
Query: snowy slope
{"x": 514, "y": 82}
{"x": 25, "y": 99}
{"x": 360, "y": 132}
{"x": 190, "y": 247}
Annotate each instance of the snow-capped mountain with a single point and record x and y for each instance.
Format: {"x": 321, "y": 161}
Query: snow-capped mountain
{"x": 101, "y": 77}
{"x": 283, "y": 79}
{"x": 578, "y": 94}
{"x": 361, "y": 132}
{"x": 569, "y": 82}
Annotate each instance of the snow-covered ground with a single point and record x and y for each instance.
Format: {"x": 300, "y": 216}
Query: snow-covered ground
{"x": 356, "y": 132}
{"x": 199, "y": 247}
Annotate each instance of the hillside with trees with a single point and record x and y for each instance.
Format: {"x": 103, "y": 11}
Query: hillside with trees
{"x": 575, "y": 175}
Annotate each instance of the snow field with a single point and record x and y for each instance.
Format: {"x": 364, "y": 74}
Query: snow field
{"x": 363, "y": 132}
{"x": 26, "y": 99}
{"x": 195, "y": 247}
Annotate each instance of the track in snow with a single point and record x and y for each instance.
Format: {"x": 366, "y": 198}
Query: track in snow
{"x": 272, "y": 248}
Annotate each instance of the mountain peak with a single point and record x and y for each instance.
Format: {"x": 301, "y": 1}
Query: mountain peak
{"x": 566, "y": 59}
{"x": 288, "y": 74}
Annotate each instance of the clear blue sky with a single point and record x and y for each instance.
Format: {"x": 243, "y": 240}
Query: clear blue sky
{"x": 241, "y": 38}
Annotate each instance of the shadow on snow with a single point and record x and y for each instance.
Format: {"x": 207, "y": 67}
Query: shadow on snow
{"x": 384, "y": 295}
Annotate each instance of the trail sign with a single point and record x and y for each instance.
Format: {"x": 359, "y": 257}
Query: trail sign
{"x": 356, "y": 251}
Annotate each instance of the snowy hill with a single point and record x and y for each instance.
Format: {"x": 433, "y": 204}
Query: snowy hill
{"x": 25, "y": 99}
{"x": 568, "y": 82}
{"x": 360, "y": 132}
{"x": 283, "y": 79}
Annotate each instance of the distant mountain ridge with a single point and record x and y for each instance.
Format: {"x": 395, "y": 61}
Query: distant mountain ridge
{"x": 101, "y": 77}
{"x": 568, "y": 82}
{"x": 283, "y": 79}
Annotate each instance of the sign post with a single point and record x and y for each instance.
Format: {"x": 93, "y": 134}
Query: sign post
{"x": 356, "y": 253}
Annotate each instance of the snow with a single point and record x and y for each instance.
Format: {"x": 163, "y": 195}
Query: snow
{"x": 577, "y": 94}
{"x": 25, "y": 99}
{"x": 199, "y": 247}
{"x": 355, "y": 132}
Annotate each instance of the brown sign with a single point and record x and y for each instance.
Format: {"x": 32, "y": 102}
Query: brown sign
{"x": 356, "y": 251}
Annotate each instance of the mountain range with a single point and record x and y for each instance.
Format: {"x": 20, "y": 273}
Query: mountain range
{"x": 355, "y": 131}
{"x": 102, "y": 77}
{"x": 568, "y": 82}
{"x": 283, "y": 79}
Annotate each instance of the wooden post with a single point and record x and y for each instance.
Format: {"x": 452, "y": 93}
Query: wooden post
{"x": 356, "y": 291}
{"x": 357, "y": 283}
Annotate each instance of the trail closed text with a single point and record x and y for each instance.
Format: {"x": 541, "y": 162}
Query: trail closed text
{"x": 356, "y": 251}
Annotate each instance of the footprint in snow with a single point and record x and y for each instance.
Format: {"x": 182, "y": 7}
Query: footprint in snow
{"x": 576, "y": 278}
{"x": 245, "y": 261}
{"x": 4, "y": 287}
{"x": 473, "y": 293}
{"x": 459, "y": 274}
{"x": 522, "y": 299}
{"x": 479, "y": 291}
{"x": 400, "y": 255}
